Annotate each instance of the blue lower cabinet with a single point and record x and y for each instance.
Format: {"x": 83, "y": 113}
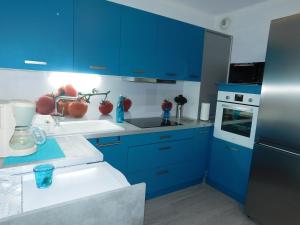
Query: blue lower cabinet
{"x": 169, "y": 165}
{"x": 229, "y": 168}
{"x": 114, "y": 151}
{"x": 165, "y": 179}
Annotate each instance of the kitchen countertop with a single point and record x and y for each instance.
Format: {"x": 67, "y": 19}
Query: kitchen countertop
{"x": 76, "y": 148}
{"x": 129, "y": 129}
{"x": 10, "y": 177}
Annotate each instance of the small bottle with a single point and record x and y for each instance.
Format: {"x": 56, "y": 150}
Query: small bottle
{"x": 120, "y": 110}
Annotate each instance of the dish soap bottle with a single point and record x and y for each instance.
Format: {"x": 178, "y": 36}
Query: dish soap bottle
{"x": 120, "y": 110}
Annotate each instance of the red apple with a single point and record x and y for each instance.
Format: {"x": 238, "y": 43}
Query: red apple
{"x": 127, "y": 104}
{"x": 105, "y": 107}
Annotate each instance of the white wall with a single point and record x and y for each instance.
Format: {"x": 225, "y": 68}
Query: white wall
{"x": 250, "y": 28}
{"x": 173, "y": 10}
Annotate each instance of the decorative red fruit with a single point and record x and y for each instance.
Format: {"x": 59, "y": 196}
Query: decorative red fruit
{"x": 77, "y": 109}
{"x": 106, "y": 107}
{"x": 63, "y": 107}
{"x": 45, "y": 105}
{"x": 67, "y": 90}
{"x": 127, "y": 104}
{"x": 166, "y": 105}
{"x": 70, "y": 90}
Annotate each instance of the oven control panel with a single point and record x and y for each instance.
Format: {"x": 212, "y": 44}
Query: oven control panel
{"x": 241, "y": 98}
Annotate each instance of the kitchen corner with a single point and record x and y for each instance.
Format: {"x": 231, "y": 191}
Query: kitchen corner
{"x": 77, "y": 150}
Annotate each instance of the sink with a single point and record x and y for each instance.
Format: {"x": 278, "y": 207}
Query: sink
{"x": 80, "y": 127}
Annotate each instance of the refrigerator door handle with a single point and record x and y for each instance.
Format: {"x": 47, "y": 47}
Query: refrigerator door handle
{"x": 279, "y": 149}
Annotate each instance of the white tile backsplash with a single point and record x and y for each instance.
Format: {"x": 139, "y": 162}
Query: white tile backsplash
{"x": 146, "y": 98}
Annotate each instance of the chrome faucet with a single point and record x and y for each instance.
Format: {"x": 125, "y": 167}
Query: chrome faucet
{"x": 56, "y": 115}
{"x": 86, "y": 97}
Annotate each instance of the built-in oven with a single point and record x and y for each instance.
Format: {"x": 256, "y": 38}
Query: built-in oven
{"x": 236, "y": 117}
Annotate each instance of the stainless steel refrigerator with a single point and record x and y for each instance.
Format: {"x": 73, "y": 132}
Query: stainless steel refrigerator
{"x": 274, "y": 186}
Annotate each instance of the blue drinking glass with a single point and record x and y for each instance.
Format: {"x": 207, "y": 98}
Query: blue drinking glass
{"x": 43, "y": 175}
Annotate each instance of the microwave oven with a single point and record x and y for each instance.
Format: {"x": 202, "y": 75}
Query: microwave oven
{"x": 246, "y": 73}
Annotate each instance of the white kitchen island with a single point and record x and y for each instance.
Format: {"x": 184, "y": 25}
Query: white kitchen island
{"x": 85, "y": 189}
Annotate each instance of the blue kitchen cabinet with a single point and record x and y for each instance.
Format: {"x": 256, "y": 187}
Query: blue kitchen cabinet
{"x": 138, "y": 43}
{"x": 36, "y": 35}
{"x": 201, "y": 142}
{"x": 97, "y": 30}
{"x": 229, "y": 168}
{"x": 168, "y": 161}
{"x": 171, "y": 49}
{"x": 194, "y": 50}
{"x": 114, "y": 151}
{"x": 180, "y": 50}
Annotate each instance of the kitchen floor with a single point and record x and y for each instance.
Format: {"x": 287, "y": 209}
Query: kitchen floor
{"x": 197, "y": 205}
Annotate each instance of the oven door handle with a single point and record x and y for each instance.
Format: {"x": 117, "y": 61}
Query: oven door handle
{"x": 244, "y": 109}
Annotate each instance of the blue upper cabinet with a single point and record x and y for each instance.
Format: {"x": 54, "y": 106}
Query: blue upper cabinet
{"x": 36, "y": 34}
{"x": 179, "y": 50}
{"x": 138, "y": 43}
{"x": 194, "y": 52}
{"x": 171, "y": 49}
{"x": 97, "y": 33}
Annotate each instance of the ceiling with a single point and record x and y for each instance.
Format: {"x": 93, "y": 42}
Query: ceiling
{"x": 216, "y": 6}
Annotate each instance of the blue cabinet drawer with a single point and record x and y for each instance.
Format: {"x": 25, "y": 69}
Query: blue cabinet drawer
{"x": 152, "y": 138}
{"x": 155, "y": 155}
{"x": 175, "y": 174}
{"x": 229, "y": 168}
{"x": 166, "y": 177}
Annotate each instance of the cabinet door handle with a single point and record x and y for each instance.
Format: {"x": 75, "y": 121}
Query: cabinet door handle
{"x": 162, "y": 172}
{"x": 171, "y": 74}
{"x": 194, "y": 76}
{"x": 33, "y": 62}
{"x": 165, "y": 137}
{"x": 108, "y": 144}
{"x": 139, "y": 71}
{"x": 165, "y": 148}
{"x": 98, "y": 67}
{"x": 232, "y": 149}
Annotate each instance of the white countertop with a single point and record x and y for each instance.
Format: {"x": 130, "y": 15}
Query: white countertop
{"x": 76, "y": 148}
{"x": 129, "y": 129}
{"x": 18, "y": 193}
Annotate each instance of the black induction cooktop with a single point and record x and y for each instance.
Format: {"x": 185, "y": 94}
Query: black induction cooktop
{"x": 151, "y": 122}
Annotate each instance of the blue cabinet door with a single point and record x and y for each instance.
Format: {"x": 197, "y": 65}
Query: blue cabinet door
{"x": 180, "y": 50}
{"x": 194, "y": 48}
{"x": 97, "y": 31}
{"x": 229, "y": 168}
{"x": 36, "y": 35}
{"x": 171, "y": 49}
{"x": 114, "y": 151}
{"x": 201, "y": 145}
{"x": 138, "y": 43}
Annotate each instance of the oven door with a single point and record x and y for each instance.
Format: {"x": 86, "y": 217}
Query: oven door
{"x": 236, "y": 123}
